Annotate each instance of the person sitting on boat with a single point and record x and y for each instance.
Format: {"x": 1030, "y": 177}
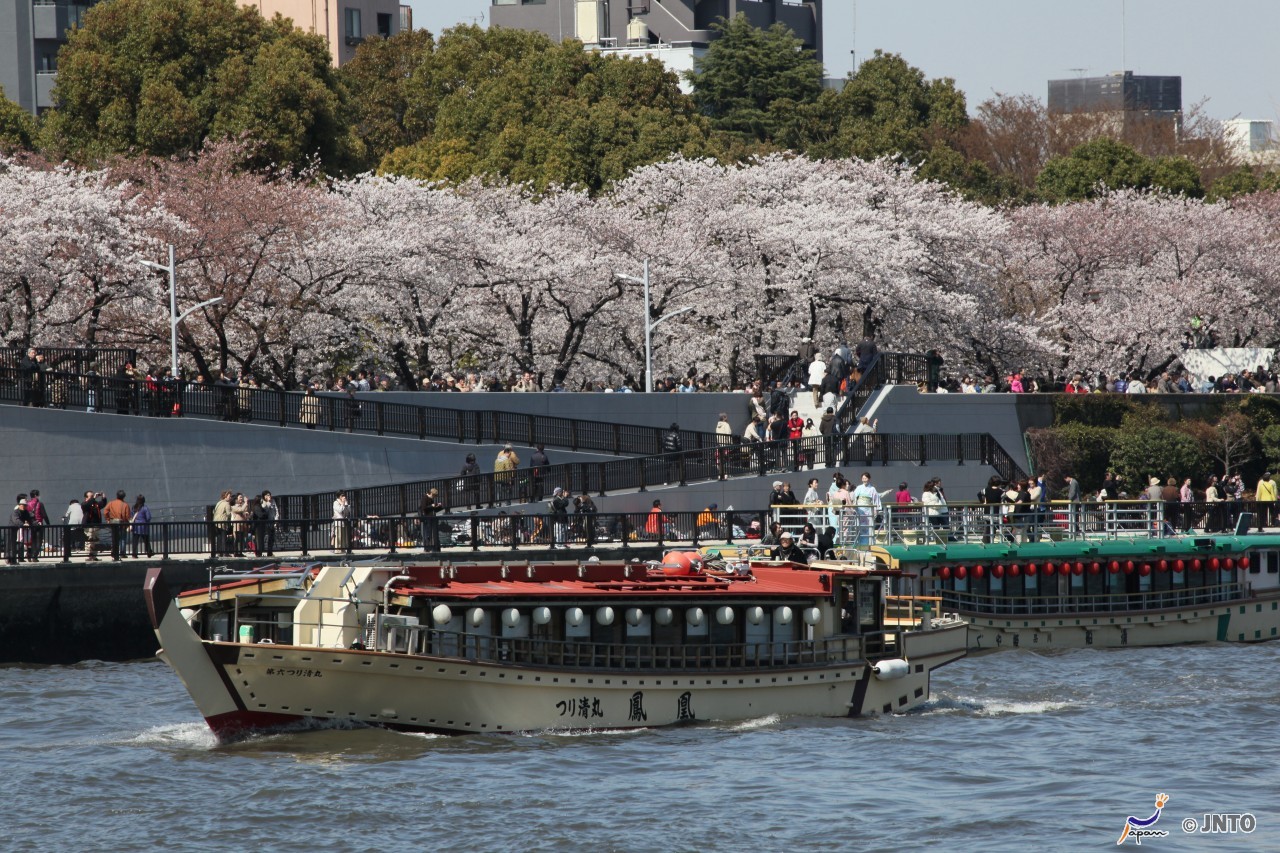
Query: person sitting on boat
{"x": 787, "y": 550}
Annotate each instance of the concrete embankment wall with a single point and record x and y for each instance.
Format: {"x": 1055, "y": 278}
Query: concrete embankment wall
{"x": 178, "y": 462}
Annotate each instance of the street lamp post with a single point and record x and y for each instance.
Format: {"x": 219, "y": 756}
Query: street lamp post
{"x": 649, "y": 323}
{"x": 174, "y": 317}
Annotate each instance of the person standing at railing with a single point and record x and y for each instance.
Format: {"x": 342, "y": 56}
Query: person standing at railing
{"x": 558, "y": 507}
{"x": 671, "y": 447}
{"x": 91, "y": 512}
{"x": 1213, "y": 497}
{"x": 39, "y": 520}
{"x": 116, "y": 516}
{"x": 28, "y": 371}
{"x": 866, "y": 500}
{"x": 1187, "y": 499}
{"x": 140, "y": 521}
{"x": 19, "y": 532}
{"x": 428, "y": 511}
{"x": 504, "y": 472}
{"x": 309, "y": 412}
{"x": 1265, "y": 495}
{"x": 795, "y": 432}
{"x": 469, "y": 482}
{"x": 1074, "y": 521}
{"x": 340, "y": 536}
{"x": 538, "y": 463}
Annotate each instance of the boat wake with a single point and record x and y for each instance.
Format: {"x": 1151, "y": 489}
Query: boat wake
{"x": 989, "y": 707}
{"x": 757, "y": 723}
{"x": 179, "y": 735}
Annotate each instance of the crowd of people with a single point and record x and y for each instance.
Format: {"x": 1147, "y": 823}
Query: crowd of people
{"x": 93, "y": 524}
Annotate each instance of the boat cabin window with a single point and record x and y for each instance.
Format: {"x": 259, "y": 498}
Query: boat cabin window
{"x": 861, "y": 605}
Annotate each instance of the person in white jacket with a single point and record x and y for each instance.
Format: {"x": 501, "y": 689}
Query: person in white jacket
{"x": 817, "y": 372}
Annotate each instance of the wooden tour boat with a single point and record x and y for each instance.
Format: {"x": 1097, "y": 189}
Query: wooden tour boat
{"x": 506, "y": 647}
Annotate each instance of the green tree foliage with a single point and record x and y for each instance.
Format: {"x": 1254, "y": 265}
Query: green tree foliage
{"x": 162, "y": 76}
{"x": 1242, "y": 181}
{"x": 752, "y": 79}
{"x": 1076, "y": 449}
{"x": 17, "y": 127}
{"x": 1107, "y": 163}
{"x": 1156, "y": 451}
{"x": 386, "y": 91}
{"x": 502, "y": 102}
{"x": 1103, "y": 410}
{"x": 886, "y": 108}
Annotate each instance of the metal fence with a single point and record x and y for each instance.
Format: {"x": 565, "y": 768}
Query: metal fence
{"x": 71, "y": 360}
{"x": 525, "y": 485}
{"x": 373, "y": 534}
{"x": 96, "y": 392}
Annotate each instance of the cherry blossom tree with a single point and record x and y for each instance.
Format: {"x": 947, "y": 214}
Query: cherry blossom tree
{"x": 72, "y": 239}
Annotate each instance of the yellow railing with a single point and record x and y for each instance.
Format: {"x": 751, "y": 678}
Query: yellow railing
{"x": 907, "y": 610}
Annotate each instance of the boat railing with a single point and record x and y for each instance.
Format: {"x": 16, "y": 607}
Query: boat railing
{"x": 908, "y": 610}
{"x": 933, "y": 524}
{"x": 639, "y": 657}
{"x": 1056, "y": 605}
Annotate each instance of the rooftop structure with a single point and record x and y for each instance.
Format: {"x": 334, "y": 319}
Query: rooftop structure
{"x": 674, "y": 31}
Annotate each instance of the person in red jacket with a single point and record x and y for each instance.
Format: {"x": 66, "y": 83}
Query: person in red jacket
{"x": 795, "y": 432}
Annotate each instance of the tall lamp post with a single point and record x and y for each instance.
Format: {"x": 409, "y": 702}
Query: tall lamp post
{"x": 649, "y": 323}
{"x": 174, "y": 317}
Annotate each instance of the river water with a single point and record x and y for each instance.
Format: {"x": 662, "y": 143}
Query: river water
{"x": 1014, "y": 751}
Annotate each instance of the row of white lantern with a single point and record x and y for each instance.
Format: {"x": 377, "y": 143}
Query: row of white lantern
{"x": 574, "y": 616}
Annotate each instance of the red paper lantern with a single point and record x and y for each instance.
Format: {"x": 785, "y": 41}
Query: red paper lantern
{"x": 1144, "y": 569}
{"x": 1244, "y": 561}
{"x": 1196, "y": 565}
{"x": 1163, "y": 565}
{"x": 944, "y": 572}
{"x": 1231, "y": 562}
{"x": 997, "y": 571}
{"x": 1078, "y": 569}
{"x": 1215, "y": 564}
{"x": 978, "y": 571}
{"x": 1095, "y": 567}
{"x": 1128, "y": 567}
{"x": 1031, "y": 570}
{"x": 1114, "y": 567}
{"x": 1049, "y": 569}
{"x": 1015, "y": 570}
{"x": 1179, "y": 565}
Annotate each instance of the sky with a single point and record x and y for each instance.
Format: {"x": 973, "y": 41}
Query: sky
{"x": 1225, "y": 51}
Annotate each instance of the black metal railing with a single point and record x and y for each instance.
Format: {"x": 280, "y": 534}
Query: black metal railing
{"x": 118, "y": 394}
{"x": 742, "y": 459}
{"x": 771, "y": 368}
{"x": 73, "y": 360}
{"x": 373, "y": 534}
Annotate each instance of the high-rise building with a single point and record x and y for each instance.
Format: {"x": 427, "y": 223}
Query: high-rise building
{"x": 1121, "y": 92}
{"x": 675, "y": 31}
{"x": 32, "y": 31}
{"x": 343, "y": 23}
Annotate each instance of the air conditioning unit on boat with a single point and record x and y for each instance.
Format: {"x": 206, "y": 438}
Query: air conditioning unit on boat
{"x": 378, "y": 633}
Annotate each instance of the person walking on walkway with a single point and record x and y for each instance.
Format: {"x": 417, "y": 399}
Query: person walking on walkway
{"x": 39, "y": 520}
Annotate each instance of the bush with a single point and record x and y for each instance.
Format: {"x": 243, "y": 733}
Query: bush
{"x": 1099, "y": 410}
{"x": 1075, "y": 449}
{"x": 1156, "y": 451}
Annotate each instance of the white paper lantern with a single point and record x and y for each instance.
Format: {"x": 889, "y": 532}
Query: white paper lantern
{"x": 663, "y": 615}
{"x": 604, "y": 615}
{"x": 635, "y": 616}
{"x": 725, "y": 615}
{"x": 694, "y": 615}
{"x": 573, "y": 616}
{"x": 783, "y": 615}
{"x": 755, "y": 615}
{"x": 542, "y": 615}
{"x": 812, "y": 615}
{"x": 442, "y": 614}
{"x": 511, "y": 617}
{"x": 476, "y": 616}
